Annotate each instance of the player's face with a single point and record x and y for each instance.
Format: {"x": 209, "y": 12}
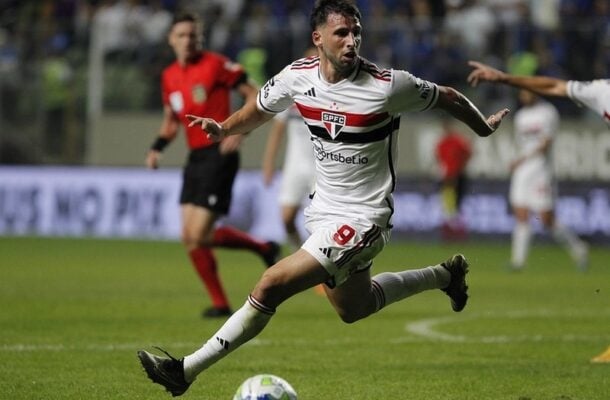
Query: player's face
{"x": 185, "y": 39}
{"x": 339, "y": 40}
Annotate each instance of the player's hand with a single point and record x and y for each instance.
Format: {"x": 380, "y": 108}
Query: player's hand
{"x": 214, "y": 130}
{"x": 483, "y": 72}
{"x": 230, "y": 144}
{"x": 152, "y": 159}
{"x": 495, "y": 120}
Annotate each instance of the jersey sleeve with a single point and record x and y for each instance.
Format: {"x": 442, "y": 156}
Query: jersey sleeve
{"x": 275, "y": 96}
{"x": 410, "y": 93}
{"x": 586, "y": 93}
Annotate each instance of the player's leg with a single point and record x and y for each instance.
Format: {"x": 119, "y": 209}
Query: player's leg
{"x": 521, "y": 238}
{"x": 233, "y": 238}
{"x": 564, "y": 236}
{"x": 288, "y": 277}
{"x": 289, "y": 216}
{"x": 361, "y": 295}
{"x": 521, "y": 194}
{"x": 198, "y": 223}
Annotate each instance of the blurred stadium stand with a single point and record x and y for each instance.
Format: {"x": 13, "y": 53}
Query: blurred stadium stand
{"x": 79, "y": 79}
{"x": 66, "y": 63}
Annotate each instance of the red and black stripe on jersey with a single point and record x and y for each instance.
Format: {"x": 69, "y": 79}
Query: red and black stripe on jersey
{"x": 306, "y": 63}
{"x": 374, "y": 70}
{"x": 352, "y": 120}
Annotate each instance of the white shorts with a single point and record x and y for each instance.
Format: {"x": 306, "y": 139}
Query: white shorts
{"x": 344, "y": 248}
{"x": 532, "y": 187}
{"x": 296, "y": 185}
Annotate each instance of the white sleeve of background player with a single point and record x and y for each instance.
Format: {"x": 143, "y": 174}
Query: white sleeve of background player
{"x": 588, "y": 93}
{"x": 410, "y": 93}
{"x": 275, "y": 96}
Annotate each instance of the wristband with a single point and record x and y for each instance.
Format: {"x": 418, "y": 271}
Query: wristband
{"x": 160, "y": 144}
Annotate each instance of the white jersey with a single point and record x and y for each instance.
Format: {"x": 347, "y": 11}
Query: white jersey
{"x": 592, "y": 94}
{"x": 532, "y": 183}
{"x": 533, "y": 125}
{"x": 354, "y": 125}
{"x": 298, "y": 169}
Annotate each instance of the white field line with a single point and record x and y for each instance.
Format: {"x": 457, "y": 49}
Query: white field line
{"x": 432, "y": 328}
{"x": 428, "y": 329}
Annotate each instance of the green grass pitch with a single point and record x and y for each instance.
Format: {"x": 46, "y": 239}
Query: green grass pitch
{"x": 75, "y": 311}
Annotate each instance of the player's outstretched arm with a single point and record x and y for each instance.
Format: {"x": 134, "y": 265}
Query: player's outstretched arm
{"x": 459, "y": 107}
{"x": 542, "y": 85}
{"x": 246, "y": 119}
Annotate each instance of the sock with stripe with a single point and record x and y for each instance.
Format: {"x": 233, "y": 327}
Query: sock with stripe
{"x": 390, "y": 287}
{"x": 243, "y": 325}
{"x": 205, "y": 264}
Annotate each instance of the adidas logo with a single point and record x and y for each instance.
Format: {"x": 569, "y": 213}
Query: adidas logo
{"x": 223, "y": 343}
{"x": 311, "y": 92}
{"x": 326, "y": 251}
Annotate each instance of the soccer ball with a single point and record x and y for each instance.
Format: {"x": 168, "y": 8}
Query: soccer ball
{"x": 265, "y": 387}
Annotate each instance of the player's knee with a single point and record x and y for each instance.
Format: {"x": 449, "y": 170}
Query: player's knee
{"x": 270, "y": 289}
{"x": 351, "y": 315}
{"x": 192, "y": 240}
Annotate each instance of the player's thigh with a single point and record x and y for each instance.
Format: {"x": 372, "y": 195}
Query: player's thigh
{"x": 197, "y": 223}
{"x": 289, "y": 276}
{"x": 353, "y": 294}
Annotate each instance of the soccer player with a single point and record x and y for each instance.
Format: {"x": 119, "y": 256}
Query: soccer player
{"x": 532, "y": 186}
{"x": 200, "y": 82}
{"x": 592, "y": 94}
{"x": 353, "y": 111}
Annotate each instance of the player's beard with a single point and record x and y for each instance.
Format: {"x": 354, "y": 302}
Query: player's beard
{"x": 342, "y": 67}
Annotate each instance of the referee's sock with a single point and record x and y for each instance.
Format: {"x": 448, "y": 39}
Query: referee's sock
{"x": 226, "y": 236}
{"x": 205, "y": 264}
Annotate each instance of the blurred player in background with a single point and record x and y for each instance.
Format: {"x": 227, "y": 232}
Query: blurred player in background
{"x": 353, "y": 111}
{"x": 200, "y": 82}
{"x": 532, "y": 188}
{"x": 298, "y": 169}
{"x": 453, "y": 151}
{"x": 592, "y": 94}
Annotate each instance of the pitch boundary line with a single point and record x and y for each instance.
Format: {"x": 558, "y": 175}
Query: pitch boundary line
{"x": 429, "y": 328}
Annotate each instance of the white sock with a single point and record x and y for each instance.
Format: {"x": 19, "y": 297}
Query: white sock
{"x": 569, "y": 240}
{"x": 522, "y": 234}
{"x": 246, "y": 323}
{"x": 390, "y": 287}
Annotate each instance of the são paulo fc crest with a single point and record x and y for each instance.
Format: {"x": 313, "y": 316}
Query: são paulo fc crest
{"x": 333, "y": 123}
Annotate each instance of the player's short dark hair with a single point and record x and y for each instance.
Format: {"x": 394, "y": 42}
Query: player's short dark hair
{"x": 186, "y": 16}
{"x": 323, "y": 8}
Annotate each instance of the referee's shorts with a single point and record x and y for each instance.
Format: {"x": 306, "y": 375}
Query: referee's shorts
{"x": 207, "y": 179}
